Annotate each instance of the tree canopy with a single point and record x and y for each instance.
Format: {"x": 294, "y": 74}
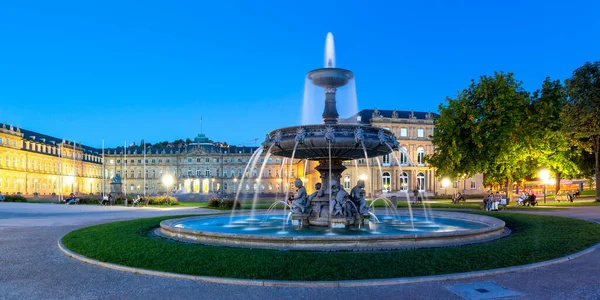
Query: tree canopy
{"x": 483, "y": 130}
{"x": 581, "y": 113}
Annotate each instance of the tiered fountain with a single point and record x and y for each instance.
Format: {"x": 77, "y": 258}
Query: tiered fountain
{"x": 331, "y": 218}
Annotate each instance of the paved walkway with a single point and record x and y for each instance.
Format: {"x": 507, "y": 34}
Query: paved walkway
{"x": 32, "y": 267}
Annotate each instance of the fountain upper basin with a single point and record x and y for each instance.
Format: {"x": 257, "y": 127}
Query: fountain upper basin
{"x": 396, "y": 233}
{"x": 330, "y": 77}
{"x": 313, "y": 144}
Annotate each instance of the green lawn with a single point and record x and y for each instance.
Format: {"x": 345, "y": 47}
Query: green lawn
{"x": 533, "y": 239}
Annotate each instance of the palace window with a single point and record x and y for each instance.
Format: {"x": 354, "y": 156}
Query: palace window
{"x": 420, "y": 156}
{"x": 385, "y": 160}
{"x": 132, "y": 161}
{"x": 198, "y": 172}
{"x": 404, "y": 181}
{"x": 403, "y": 132}
{"x": 420, "y": 133}
{"x": 207, "y": 172}
{"x": 421, "y": 181}
{"x": 189, "y": 160}
{"x": 347, "y": 182}
{"x": 277, "y": 160}
{"x": 207, "y": 160}
{"x": 386, "y": 179}
{"x": 473, "y": 185}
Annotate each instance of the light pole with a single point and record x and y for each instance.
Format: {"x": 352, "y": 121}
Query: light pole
{"x": 544, "y": 175}
{"x": 234, "y": 181}
{"x": 167, "y": 181}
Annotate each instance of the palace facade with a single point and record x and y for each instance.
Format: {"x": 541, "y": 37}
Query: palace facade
{"x": 35, "y": 163}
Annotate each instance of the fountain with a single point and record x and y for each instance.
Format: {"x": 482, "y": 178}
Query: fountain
{"x": 331, "y": 218}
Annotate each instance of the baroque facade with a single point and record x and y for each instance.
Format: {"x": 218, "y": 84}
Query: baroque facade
{"x": 35, "y": 163}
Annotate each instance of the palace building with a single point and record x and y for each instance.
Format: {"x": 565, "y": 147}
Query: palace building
{"x": 33, "y": 163}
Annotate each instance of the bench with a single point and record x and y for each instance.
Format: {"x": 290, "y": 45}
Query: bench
{"x": 564, "y": 196}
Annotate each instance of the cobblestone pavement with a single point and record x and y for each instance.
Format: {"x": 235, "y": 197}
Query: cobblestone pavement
{"x": 32, "y": 267}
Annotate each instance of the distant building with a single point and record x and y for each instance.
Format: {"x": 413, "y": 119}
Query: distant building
{"x": 30, "y": 163}
{"x": 34, "y": 163}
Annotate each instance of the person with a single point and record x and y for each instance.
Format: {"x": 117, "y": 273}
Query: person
{"x": 457, "y": 198}
{"x": 104, "y": 200}
{"x": 110, "y": 199}
{"x": 522, "y": 198}
{"x": 1, "y": 197}
{"x": 504, "y": 201}
{"x": 496, "y": 201}
{"x": 136, "y": 201}
{"x": 72, "y": 200}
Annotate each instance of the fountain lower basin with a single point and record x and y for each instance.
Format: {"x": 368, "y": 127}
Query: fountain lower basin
{"x": 447, "y": 229}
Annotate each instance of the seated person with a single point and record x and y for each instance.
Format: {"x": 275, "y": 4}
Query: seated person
{"x": 72, "y": 200}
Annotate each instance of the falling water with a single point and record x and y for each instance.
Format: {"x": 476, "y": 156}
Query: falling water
{"x": 283, "y": 163}
{"x": 347, "y": 101}
{"x": 287, "y": 182}
{"x": 305, "y": 167}
{"x": 355, "y": 169}
{"x": 381, "y": 174}
{"x": 258, "y": 182}
{"x": 407, "y": 195}
{"x": 329, "y": 51}
{"x": 252, "y": 160}
{"x": 368, "y": 167}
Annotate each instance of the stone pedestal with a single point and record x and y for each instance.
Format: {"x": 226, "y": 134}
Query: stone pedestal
{"x": 362, "y": 219}
{"x": 338, "y": 222}
{"x": 300, "y": 220}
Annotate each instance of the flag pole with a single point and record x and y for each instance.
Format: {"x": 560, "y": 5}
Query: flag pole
{"x": 125, "y": 171}
{"x": 103, "y": 175}
{"x": 144, "y": 145}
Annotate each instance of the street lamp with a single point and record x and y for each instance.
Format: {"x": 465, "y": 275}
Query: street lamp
{"x": 445, "y": 183}
{"x": 167, "y": 181}
{"x": 234, "y": 181}
{"x": 544, "y": 175}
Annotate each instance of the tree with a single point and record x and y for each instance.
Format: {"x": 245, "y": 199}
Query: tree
{"x": 553, "y": 149}
{"x": 582, "y": 111}
{"x": 188, "y": 141}
{"x": 483, "y": 131}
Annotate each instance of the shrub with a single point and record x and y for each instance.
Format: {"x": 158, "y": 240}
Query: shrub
{"x": 228, "y": 204}
{"x": 14, "y": 198}
{"x": 162, "y": 201}
{"x": 214, "y": 202}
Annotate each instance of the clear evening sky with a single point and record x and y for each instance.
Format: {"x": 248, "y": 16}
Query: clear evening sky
{"x": 125, "y": 70}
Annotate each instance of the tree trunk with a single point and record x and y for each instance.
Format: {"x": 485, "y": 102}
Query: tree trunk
{"x": 557, "y": 184}
{"x": 509, "y": 192}
{"x": 596, "y": 150}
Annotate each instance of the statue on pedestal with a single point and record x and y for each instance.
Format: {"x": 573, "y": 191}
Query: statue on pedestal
{"x": 300, "y": 203}
{"x": 357, "y": 194}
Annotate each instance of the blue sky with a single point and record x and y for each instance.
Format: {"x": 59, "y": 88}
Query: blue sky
{"x": 120, "y": 70}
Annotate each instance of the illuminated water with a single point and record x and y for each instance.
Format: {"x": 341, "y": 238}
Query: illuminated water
{"x": 271, "y": 225}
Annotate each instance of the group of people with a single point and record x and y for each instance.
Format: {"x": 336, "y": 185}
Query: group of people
{"x": 527, "y": 198}
{"x": 491, "y": 201}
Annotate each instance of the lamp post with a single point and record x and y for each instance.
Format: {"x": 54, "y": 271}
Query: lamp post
{"x": 544, "y": 175}
{"x": 234, "y": 181}
{"x": 167, "y": 181}
{"x": 278, "y": 185}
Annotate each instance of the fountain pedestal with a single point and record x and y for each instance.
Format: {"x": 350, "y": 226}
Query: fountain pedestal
{"x": 338, "y": 222}
{"x": 300, "y": 220}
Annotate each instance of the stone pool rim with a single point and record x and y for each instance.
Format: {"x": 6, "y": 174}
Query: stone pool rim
{"x": 495, "y": 229}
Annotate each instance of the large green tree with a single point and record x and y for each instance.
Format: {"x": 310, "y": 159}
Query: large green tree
{"x": 483, "y": 130}
{"x": 582, "y": 111}
{"x": 553, "y": 149}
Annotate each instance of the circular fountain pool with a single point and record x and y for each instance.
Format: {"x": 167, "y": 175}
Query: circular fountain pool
{"x": 388, "y": 232}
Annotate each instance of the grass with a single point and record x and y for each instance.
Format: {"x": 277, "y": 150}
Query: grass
{"x": 533, "y": 239}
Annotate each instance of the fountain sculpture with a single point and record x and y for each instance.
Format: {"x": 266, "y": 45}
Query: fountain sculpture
{"x": 330, "y": 144}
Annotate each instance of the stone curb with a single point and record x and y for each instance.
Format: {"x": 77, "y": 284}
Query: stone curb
{"x": 328, "y": 284}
